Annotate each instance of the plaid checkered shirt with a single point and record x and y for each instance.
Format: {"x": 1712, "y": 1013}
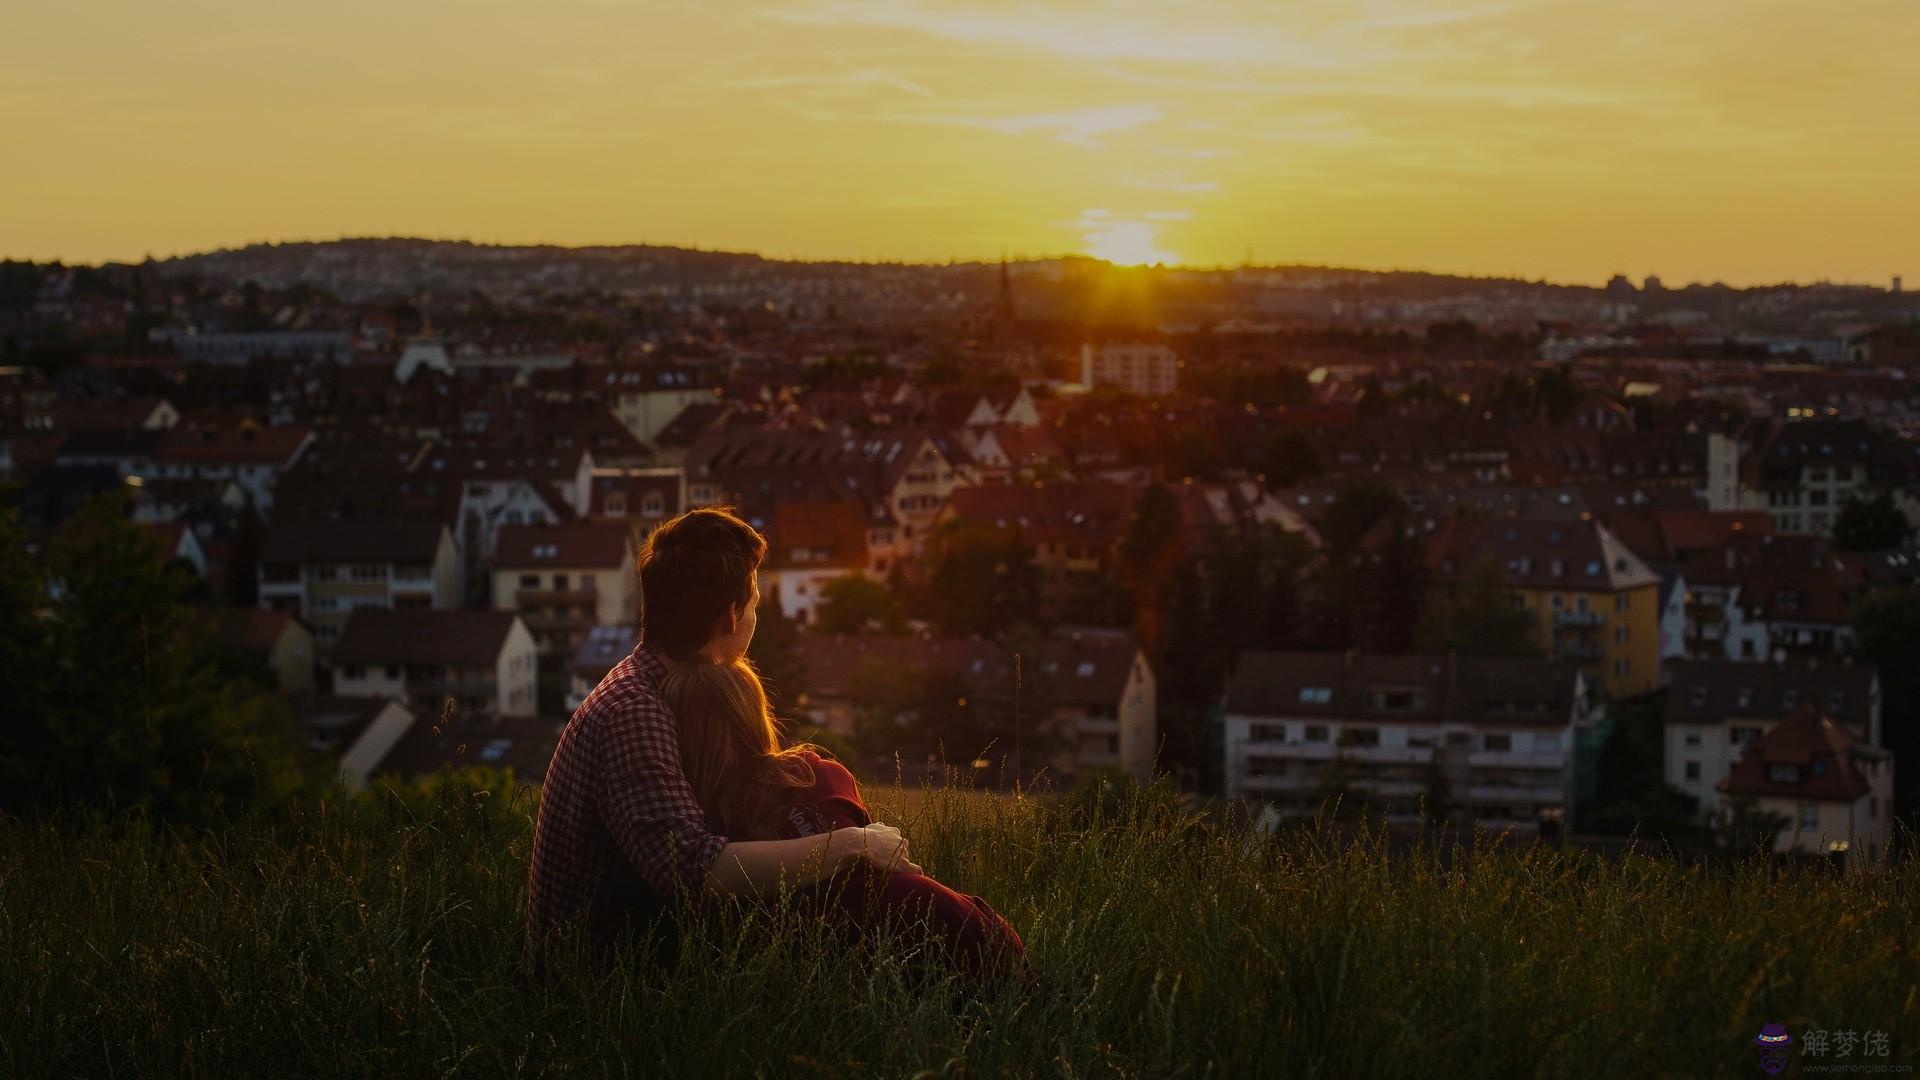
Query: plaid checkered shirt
{"x": 619, "y": 828}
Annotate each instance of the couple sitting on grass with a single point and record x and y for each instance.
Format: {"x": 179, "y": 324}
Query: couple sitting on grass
{"x": 670, "y": 781}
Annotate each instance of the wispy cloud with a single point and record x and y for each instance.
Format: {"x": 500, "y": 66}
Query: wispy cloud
{"x": 1174, "y": 184}
{"x": 1079, "y": 127}
{"x": 833, "y": 81}
{"x": 1082, "y": 32}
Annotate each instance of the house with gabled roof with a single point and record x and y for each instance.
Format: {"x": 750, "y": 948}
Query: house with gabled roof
{"x": 1715, "y": 708}
{"x": 1833, "y": 788}
{"x": 484, "y": 662}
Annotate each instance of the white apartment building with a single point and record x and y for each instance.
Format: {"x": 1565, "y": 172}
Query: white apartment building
{"x": 1495, "y": 740}
{"x": 1143, "y": 369}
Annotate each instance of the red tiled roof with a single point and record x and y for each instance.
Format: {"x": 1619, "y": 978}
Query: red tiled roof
{"x": 245, "y": 443}
{"x": 832, "y": 533}
{"x": 470, "y": 639}
{"x": 1825, "y": 754}
{"x": 579, "y": 545}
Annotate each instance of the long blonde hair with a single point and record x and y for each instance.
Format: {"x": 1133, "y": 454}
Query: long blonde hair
{"x": 730, "y": 747}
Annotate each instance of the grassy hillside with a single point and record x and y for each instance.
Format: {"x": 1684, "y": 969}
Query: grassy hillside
{"x": 381, "y": 938}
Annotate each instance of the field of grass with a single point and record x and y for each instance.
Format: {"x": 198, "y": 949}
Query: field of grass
{"x": 381, "y": 939}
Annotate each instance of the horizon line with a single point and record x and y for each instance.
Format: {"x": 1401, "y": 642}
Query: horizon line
{"x": 950, "y": 261}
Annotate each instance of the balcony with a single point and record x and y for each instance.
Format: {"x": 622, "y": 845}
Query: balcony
{"x": 1514, "y": 759}
{"x": 1579, "y": 618}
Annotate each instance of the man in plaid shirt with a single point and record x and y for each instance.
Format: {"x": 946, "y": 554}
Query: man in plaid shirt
{"x": 619, "y": 832}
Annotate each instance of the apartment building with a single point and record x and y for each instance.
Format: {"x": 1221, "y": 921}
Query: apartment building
{"x": 324, "y": 570}
{"x": 1495, "y": 740}
{"x": 1716, "y": 708}
{"x": 485, "y": 662}
{"x": 1597, "y": 604}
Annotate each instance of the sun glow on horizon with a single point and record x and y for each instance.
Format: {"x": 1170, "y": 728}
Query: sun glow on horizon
{"x": 1567, "y": 139}
{"x": 1123, "y": 242}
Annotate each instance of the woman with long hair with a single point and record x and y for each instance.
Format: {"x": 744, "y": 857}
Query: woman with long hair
{"x": 753, "y": 789}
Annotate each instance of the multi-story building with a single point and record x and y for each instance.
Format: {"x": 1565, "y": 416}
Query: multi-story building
{"x": 1498, "y": 740}
{"x": 1715, "y": 708}
{"x": 1597, "y": 604}
{"x": 564, "y": 580}
{"x": 248, "y": 453}
{"x": 325, "y": 570}
{"x": 1800, "y": 472}
{"x": 1833, "y": 788}
{"x": 1145, "y": 369}
{"x": 483, "y": 661}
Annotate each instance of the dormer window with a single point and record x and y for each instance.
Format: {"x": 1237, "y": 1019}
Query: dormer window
{"x": 1783, "y": 774}
{"x": 1316, "y": 695}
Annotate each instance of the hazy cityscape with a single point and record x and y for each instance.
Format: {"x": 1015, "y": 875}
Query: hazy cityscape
{"x": 1560, "y": 560}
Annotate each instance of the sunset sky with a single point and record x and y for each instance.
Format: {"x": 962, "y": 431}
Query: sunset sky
{"x": 1740, "y": 140}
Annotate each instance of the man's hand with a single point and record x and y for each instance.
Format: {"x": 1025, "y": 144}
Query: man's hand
{"x": 881, "y": 846}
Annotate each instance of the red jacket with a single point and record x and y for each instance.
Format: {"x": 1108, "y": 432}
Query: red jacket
{"x": 981, "y": 940}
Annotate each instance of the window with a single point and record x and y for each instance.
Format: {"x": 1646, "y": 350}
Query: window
{"x": 1783, "y": 774}
{"x": 1268, "y": 733}
{"x": 529, "y": 581}
{"x": 1820, "y": 768}
{"x": 560, "y": 582}
{"x": 1809, "y": 815}
{"x": 1692, "y": 740}
{"x": 1873, "y": 806}
{"x": 1315, "y": 733}
{"x": 1360, "y": 736}
{"x": 1790, "y": 699}
{"x": 1741, "y": 734}
{"x": 1836, "y": 699}
{"x": 1622, "y": 601}
{"x": 1620, "y": 635}
{"x": 617, "y": 504}
{"x": 1315, "y": 695}
{"x": 352, "y": 671}
{"x": 1697, "y": 696}
{"x": 1745, "y": 697}
{"x": 1497, "y": 743}
{"x": 393, "y": 671}
{"x": 1693, "y": 770}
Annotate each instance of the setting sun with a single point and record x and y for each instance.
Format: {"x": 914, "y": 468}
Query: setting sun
{"x": 1123, "y": 242}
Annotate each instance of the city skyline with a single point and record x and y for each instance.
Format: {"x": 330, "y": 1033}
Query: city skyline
{"x": 1511, "y": 139}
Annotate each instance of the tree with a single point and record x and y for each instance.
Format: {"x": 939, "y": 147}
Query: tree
{"x": 1479, "y": 619}
{"x": 856, "y": 604}
{"x": 983, "y": 581}
{"x": 1870, "y": 524}
{"x": 1886, "y": 634}
{"x": 1147, "y": 559}
{"x": 129, "y": 705}
{"x": 1289, "y": 458}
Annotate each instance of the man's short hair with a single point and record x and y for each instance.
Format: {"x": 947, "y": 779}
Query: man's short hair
{"x": 691, "y": 571}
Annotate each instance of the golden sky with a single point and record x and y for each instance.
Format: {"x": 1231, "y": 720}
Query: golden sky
{"x": 1740, "y": 140}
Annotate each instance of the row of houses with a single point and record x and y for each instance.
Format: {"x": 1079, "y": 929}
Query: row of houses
{"x": 1515, "y": 744}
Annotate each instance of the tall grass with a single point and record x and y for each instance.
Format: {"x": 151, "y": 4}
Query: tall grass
{"x": 383, "y": 939}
